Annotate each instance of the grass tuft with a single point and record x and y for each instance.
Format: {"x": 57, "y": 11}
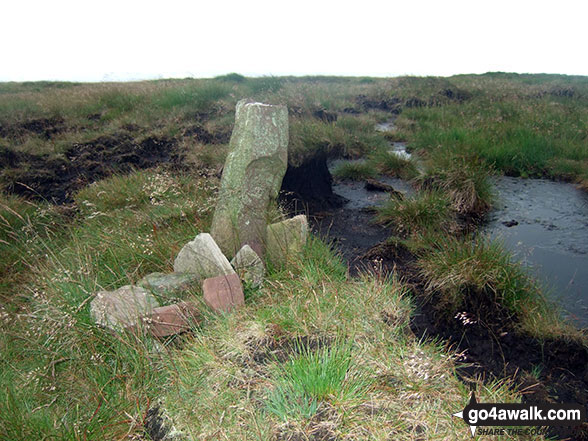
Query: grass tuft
{"x": 425, "y": 213}
{"x": 355, "y": 171}
{"x": 393, "y": 165}
{"x": 463, "y": 178}
{"x": 312, "y": 377}
{"x": 456, "y": 269}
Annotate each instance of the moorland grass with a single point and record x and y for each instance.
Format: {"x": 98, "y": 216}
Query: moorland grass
{"x": 349, "y": 137}
{"x": 426, "y": 212}
{"x": 519, "y": 128}
{"x": 457, "y": 268}
{"x": 56, "y": 364}
{"x": 354, "y": 171}
{"x": 390, "y": 164}
{"x": 462, "y": 177}
{"x": 63, "y": 377}
{"x": 243, "y": 370}
{"x": 314, "y": 376}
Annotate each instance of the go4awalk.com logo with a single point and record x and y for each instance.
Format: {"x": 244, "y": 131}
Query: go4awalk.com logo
{"x": 519, "y": 414}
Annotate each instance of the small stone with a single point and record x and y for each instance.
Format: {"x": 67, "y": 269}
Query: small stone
{"x": 249, "y": 266}
{"x": 223, "y": 293}
{"x": 286, "y": 239}
{"x": 202, "y": 257}
{"x": 510, "y": 223}
{"x": 374, "y": 185}
{"x": 168, "y": 285}
{"x": 171, "y": 319}
{"x": 122, "y": 308}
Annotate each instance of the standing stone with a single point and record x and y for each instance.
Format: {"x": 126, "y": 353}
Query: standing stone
{"x": 203, "y": 258}
{"x": 252, "y": 176}
{"x": 223, "y": 293}
{"x": 249, "y": 266}
{"x": 122, "y": 308}
{"x": 286, "y": 239}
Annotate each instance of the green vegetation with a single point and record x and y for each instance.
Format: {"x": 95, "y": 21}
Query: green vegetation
{"x": 456, "y": 269}
{"x": 356, "y": 171}
{"x": 461, "y": 177}
{"x": 312, "y": 377}
{"x": 350, "y": 137}
{"x": 393, "y": 165}
{"x": 427, "y": 212}
{"x": 55, "y": 363}
{"x": 521, "y": 125}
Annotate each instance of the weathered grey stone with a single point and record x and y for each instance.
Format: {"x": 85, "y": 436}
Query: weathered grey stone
{"x": 249, "y": 266}
{"x": 286, "y": 239}
{"x": 168, "y": 285}
{"x": 122, "y": 308}
{"x": 252, "y": 176}
{"x": 203, "y": 258}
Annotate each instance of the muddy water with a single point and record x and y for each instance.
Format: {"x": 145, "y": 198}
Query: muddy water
{"x": 549, "y": 233}
{"x": 550, "y": 237}
{"x": 351, "y": 228}
{"x": 356, "y": 194}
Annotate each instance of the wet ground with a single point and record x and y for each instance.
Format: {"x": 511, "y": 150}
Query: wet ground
{"x": 551, "y": 370}
{"x": 56, "y": 177}
{"x": 545, "y": 225}
{"x": 351, "y": 227}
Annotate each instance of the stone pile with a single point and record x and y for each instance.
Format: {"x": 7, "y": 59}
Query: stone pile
{"x": 251, "y": 180}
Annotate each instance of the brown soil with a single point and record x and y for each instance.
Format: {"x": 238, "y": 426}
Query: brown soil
{"x": 206, "y": 137}
{"x": 44, "y": 127}
{"x": 282, "y": 348}
{"x": 55, "y": 178}
{"x": 308, "y": 188}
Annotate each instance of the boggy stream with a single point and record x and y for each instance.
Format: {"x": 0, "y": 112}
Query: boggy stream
{"x": 549, "y": 232}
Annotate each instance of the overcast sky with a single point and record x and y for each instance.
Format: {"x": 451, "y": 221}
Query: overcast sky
{"x": 119, "y": 40}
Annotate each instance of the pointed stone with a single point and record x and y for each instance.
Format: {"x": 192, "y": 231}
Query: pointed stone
{"x": 122, "y": 308}
{"x": 286, "y": 239}
{"x": 223, "y": 293}
{"x": 203, "y": 258}
{"x": 249, "y": 266}
{"x": 252, "y": 176}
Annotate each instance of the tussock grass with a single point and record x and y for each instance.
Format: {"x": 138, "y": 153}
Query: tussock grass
{"x": 463, "y": 178}
{"x": 393, "y": 165}
{"x": 302, "y": 383}
{"x": 349, "y": 137}
{"x": 455, "y": 269}
{"x": 427, "y": 212}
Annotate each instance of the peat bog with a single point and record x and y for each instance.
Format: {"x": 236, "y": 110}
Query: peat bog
{"x": 485, "y": 333}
